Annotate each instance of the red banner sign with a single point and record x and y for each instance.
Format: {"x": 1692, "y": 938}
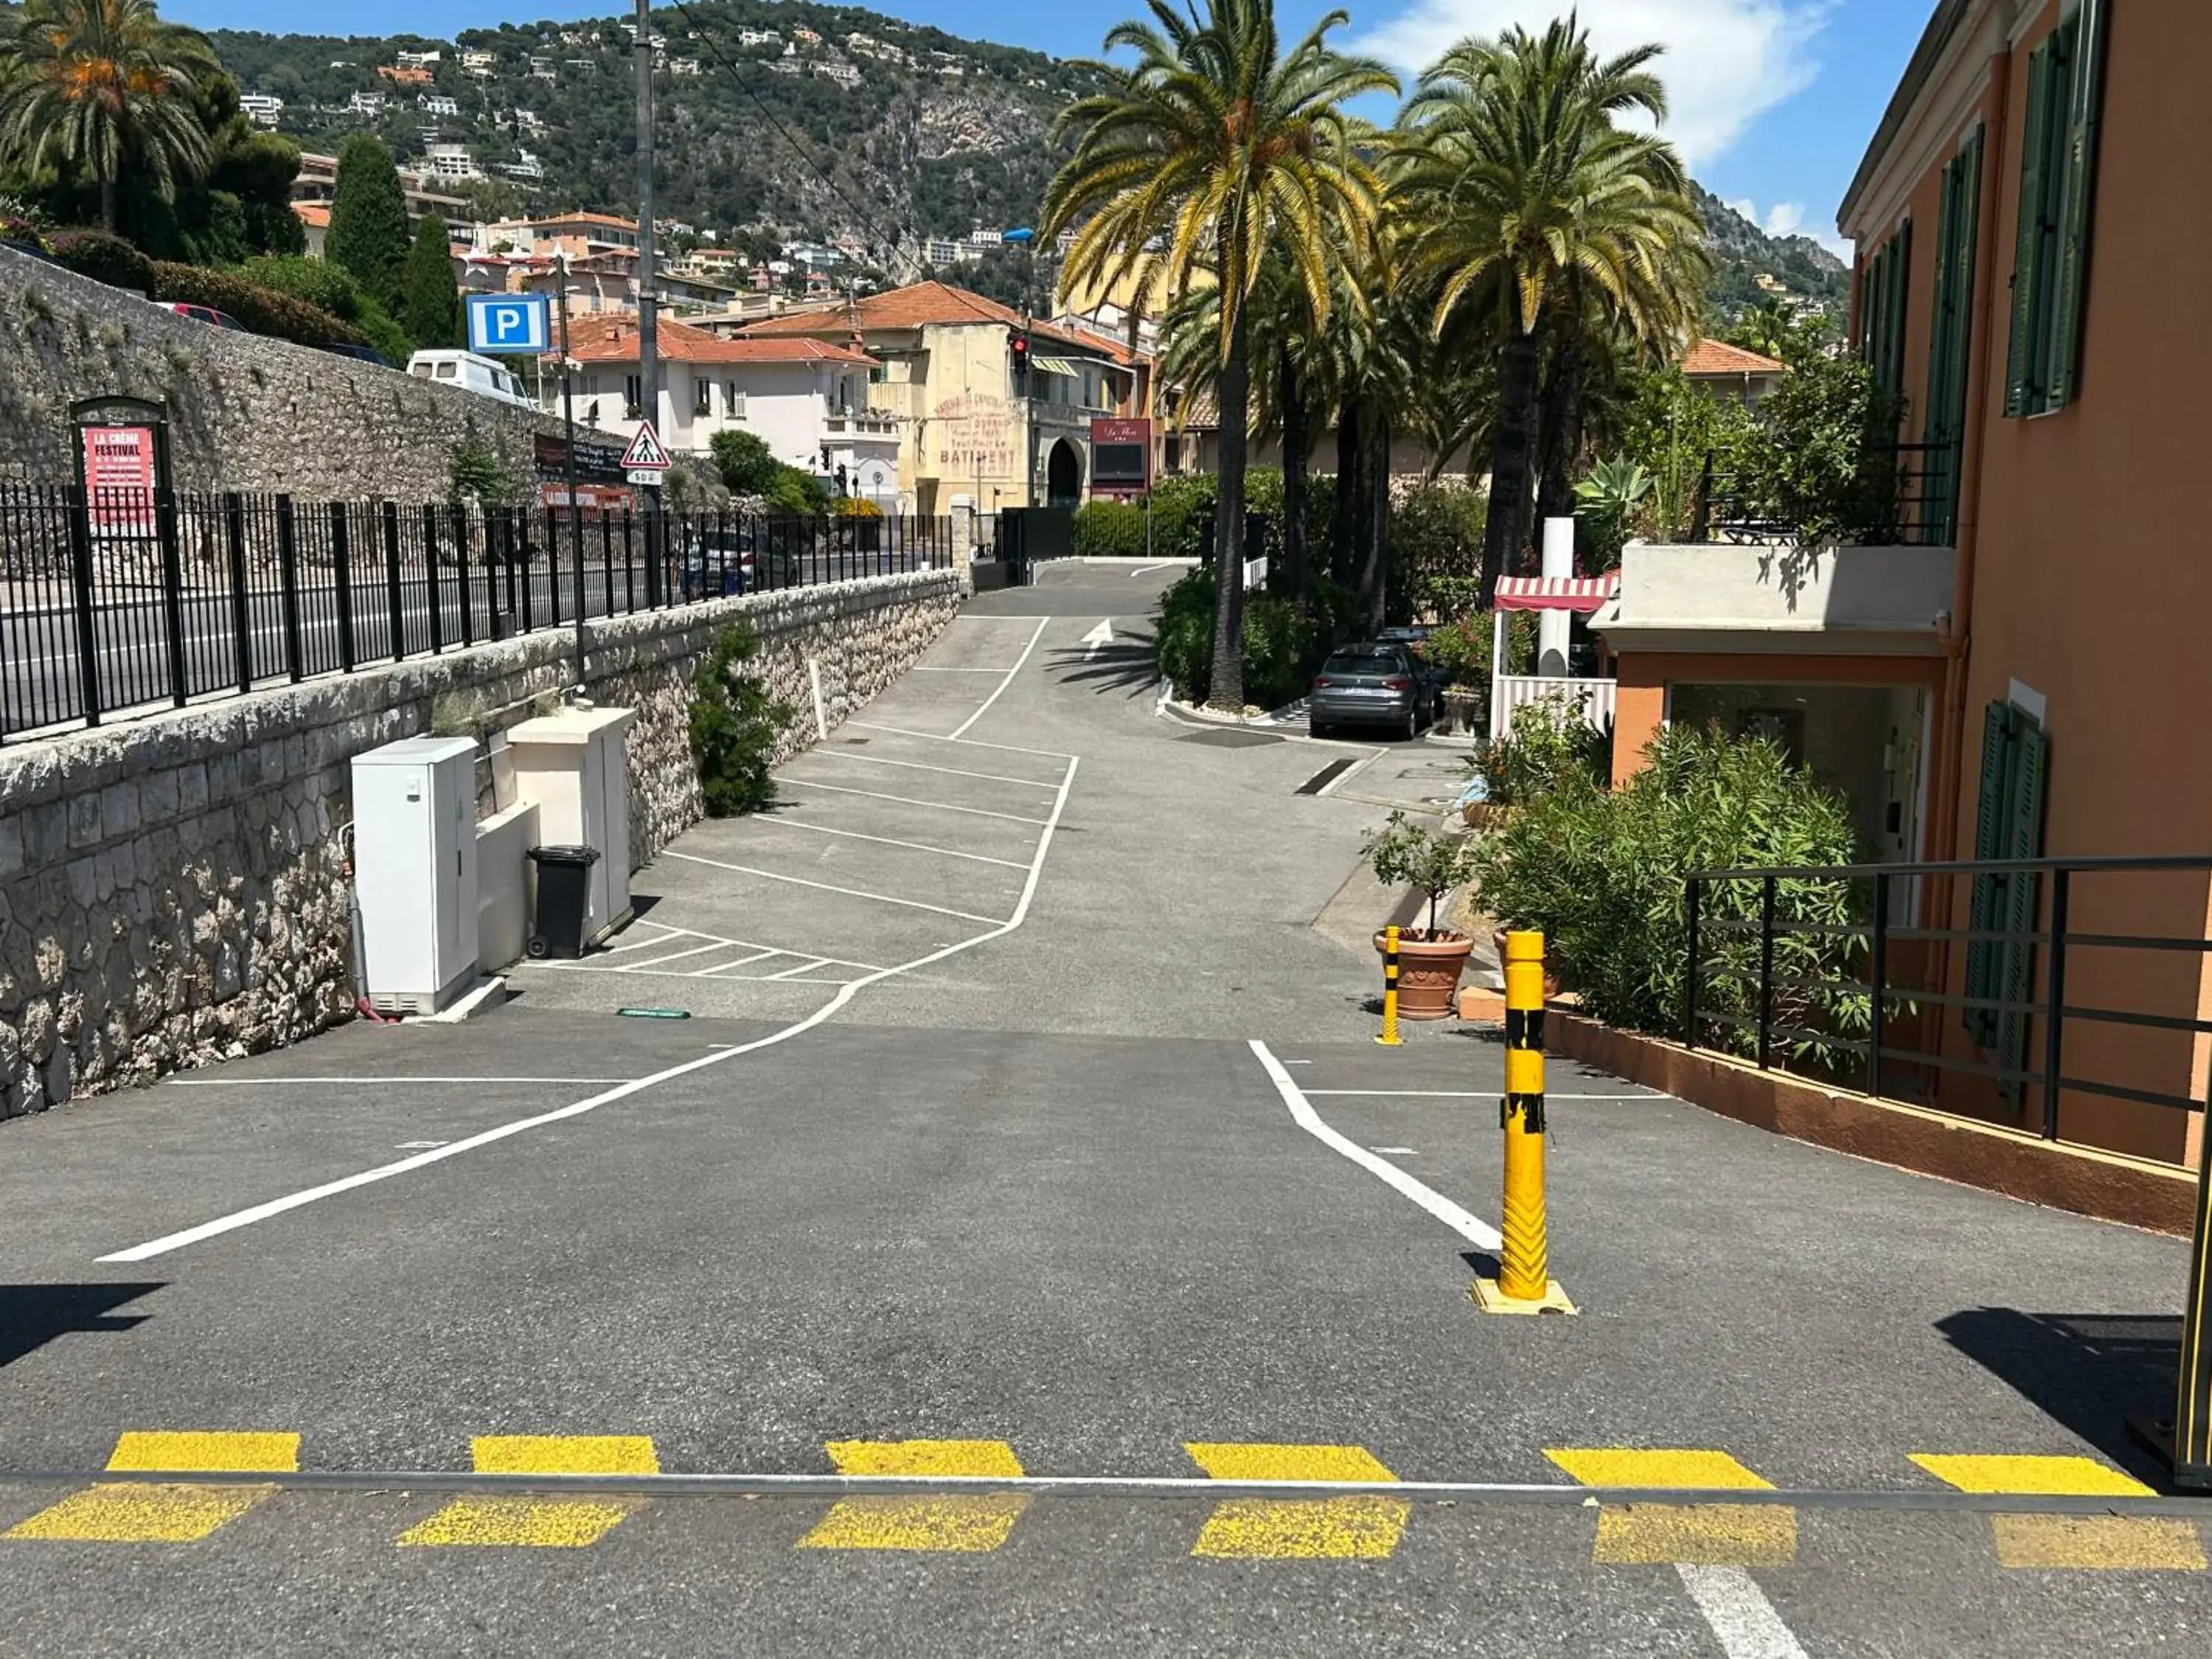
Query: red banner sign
{"x": 118, "y": 479}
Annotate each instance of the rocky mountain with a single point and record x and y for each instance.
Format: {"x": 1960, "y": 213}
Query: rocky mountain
{"x": 776, "y": 119}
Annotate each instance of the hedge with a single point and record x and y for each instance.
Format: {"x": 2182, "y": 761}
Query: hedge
{"x": 103, "y": 257}
{"x": 1108, "y": 530}
{"x": 262, "y": 310}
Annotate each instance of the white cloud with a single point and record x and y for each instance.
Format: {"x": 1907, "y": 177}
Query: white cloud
{"x": 1784, "y": 218}
{"x": 1727, "y": 62}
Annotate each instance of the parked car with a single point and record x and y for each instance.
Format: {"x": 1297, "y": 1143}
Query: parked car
{"x": 720, "y": 562}
{"x": 1435, "y": 678}
{"x": 359, "y": 353}
{"x": 1371, "y": 683}
{"x": 471, "y": 373}
{"x": 200, "y": 314}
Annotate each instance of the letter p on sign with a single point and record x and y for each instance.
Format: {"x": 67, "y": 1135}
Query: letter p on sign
{"x": 509, "y": 323}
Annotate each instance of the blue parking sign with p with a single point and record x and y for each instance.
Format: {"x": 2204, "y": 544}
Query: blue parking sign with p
{"x": 509, "y": 322}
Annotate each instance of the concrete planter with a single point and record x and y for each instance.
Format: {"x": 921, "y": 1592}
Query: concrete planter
{"x": 1428, "y": 971}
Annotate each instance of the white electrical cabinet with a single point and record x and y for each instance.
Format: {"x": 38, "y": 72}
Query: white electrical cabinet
{"x": 415, "y": 871}
{"x": 574, "y": 765}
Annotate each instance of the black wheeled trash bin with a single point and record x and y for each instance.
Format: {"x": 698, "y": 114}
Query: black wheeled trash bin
{"x": 564, "y": 900}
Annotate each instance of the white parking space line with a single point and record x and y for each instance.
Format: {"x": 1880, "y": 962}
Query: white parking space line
{"x": 1480, "y": 1234}
{"x": 276, "y": 1206}
{"x": 790, "y": 973}
{"x": 999, "y": 690}
{"x": 908, "y": 800}
{"x": 721, "y": 968}
{"x": 648, "y": 966}
{"x": 973, "y": 743}
{"x": 825, "y": 887}
{"x": 668, "y": 936}
{"x": 919, "y": 766}
{"x": 886, "y": 840}
{"x": 1743, "y": 1621}
{"x": 380, "y": 1080}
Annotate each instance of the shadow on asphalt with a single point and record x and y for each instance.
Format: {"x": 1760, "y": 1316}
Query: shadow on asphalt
{"x": 2087, "y": 1372}
{"x": 31, "y": 1315}
{"x": 1125, "y": 666}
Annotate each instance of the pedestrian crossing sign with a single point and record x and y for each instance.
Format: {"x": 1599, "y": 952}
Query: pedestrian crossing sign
{"x": 646, "y": 452}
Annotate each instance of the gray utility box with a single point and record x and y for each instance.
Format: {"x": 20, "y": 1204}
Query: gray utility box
{"x": 415, "y": 871}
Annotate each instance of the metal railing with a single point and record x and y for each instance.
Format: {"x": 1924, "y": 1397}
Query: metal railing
{"x": 124, "y": 600}
{"x": 1808, "y": 969}
{"x": 1906, "y": 501}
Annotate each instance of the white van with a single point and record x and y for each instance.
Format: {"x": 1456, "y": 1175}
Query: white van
{"x": 464, "y": 370}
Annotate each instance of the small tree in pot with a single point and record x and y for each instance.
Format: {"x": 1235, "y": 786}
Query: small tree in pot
{"x": 1403, "y": 854}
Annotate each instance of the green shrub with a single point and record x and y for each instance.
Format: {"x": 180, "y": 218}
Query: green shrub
{"x": 854, "y": 506}
{"x": 734, "y": 728}
{"x": 262, "y": 310}
{"x": 320, "y": 283}
{"x": 1436, "y": 551}
{"x": 1462, "y": 648}
{"x": 1283, "y": 643}
{"x": 1108, "y": 530}
{"x": 1599, "y": 873}
{"x": 1547, "y": 743}
{"x": 475, "y": 473}
{"x": 1185, "y": 637}
{"x": 103, "y": 257}
{"x": 1181, "y": 507}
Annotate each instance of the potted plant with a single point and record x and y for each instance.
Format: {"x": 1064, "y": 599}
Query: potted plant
{"x": 1431, "y": 959}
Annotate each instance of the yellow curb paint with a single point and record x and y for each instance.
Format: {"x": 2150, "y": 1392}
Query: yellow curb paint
{"x": 955, "y": 1523}
{"x": 2073, "y": 1543}
{"x": 1702, "y": 1534}
{"x": 2041, "y": 1477}
{"x": 146, "y": 1512}
{"x": 1356, "y": 1528}
{"x": 521, "y": 1520}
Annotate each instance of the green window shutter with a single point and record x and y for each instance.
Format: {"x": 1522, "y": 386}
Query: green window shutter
{"x": 2024, "y": 836}
{"x": 2020, "y": 352}
{"x": 1951, "y": 339}
{"x": 1989, "y": 822}
{"x": 2070, "y": 288}
{"x": 1892, "y": 372}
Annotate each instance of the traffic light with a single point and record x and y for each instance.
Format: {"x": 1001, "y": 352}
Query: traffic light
{"x": 1018, "y": 345}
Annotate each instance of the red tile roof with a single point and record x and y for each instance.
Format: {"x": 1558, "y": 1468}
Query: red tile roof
{"x": 613, "y": 339}
{"x": 317, "y": 214}
{"x": 1718, "y": 357}
{"x": 919, "y": 304}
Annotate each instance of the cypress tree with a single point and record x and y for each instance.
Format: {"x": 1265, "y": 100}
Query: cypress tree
{"x": 430, "y": 299}
{"x": 368, "y": 219}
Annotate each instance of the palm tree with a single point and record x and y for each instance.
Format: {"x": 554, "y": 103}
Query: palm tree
{"x": 1215, "y": 147}
{"x": 103, "y": 85}
{"x": 1527, "y": 196}
{"x": 1767, "y": 326}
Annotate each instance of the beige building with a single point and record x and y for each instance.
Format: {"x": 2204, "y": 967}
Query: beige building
{"x": 971, "y": 430}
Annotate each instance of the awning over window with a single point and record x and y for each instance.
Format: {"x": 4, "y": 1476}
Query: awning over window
{"x": 1056, "y": 365}
{"x": 1583, "y": 593}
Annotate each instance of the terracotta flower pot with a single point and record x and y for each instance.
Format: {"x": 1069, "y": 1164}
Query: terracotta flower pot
{"x": 1428, "y": 971}
{"x": 1552, "y": 987}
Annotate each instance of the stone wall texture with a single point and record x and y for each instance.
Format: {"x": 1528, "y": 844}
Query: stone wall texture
{"x": 245, "y": 412}
{"x": 175, "y": 889}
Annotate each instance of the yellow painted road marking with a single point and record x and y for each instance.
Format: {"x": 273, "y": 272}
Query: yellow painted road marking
{"x": 958, "y": 1523}
{"x": 2126, "y": 1543}
{"x": 1360, "y": 1527}
{"x": 1710, "y": 1534}
{"x": 532, "y": 1522}
{"x": 145, "y": 1512}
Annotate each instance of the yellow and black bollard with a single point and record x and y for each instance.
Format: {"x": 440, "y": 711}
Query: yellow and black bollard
{"x": 1524, "y": 1284}
{"x": 1390, "y": 989}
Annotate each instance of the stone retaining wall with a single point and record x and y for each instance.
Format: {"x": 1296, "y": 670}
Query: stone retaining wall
{"x": 175, "y": 890}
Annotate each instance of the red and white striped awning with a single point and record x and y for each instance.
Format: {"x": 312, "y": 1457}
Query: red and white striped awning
{"x": 1583, "y": 593}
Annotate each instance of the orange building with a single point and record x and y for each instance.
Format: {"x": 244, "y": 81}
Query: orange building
{"x": 2024, "y": 677}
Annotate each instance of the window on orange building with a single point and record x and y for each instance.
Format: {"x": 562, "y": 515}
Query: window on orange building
{"x": 2058, "y": 174}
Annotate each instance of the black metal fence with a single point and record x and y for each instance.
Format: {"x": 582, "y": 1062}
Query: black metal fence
{"x": 1808, "y": 969}
{"x": 1905, "y": 497}
{"x": 120, "y": 600}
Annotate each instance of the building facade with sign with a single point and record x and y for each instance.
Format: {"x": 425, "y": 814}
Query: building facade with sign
{"x": 805, "y": 398}
{"x": 971, "y": 430}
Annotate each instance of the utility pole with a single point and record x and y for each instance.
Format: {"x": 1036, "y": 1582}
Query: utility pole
{"x": 648, "y": 357}
{"x": 568, "y": 435}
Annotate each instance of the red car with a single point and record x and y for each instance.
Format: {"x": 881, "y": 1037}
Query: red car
{"x": 203, "y": 314}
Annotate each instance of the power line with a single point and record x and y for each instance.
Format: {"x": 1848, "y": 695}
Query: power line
{"x": 890, "y": 244}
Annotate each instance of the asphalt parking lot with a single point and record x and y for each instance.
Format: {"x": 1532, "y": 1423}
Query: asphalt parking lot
{"x": 1027, "y": 1163}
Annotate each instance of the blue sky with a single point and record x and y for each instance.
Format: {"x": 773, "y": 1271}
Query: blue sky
{"x": 1774, "y": 99}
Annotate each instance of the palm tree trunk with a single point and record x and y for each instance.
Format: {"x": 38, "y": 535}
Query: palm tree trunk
{"x": 1562, "y": 430}
{"x": 1225, "y": 689}
{"x": 1348, "y": 493}
{"x": 107, "y": 202}
{"x": 1506, "y": 531}
{"x": 1374, "y": 580}
{"x": 1293, "y": 400}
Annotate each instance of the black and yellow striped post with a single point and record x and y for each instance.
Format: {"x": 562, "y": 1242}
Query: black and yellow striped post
{"x": 1389, "y": 1033}
{"x": 1524, "y": 1283}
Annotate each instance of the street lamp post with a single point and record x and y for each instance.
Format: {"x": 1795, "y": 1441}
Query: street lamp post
{"x": 568, "y": 436}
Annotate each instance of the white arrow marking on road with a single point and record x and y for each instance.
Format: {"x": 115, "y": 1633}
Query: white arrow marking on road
{"x": 1101, "y": 634}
